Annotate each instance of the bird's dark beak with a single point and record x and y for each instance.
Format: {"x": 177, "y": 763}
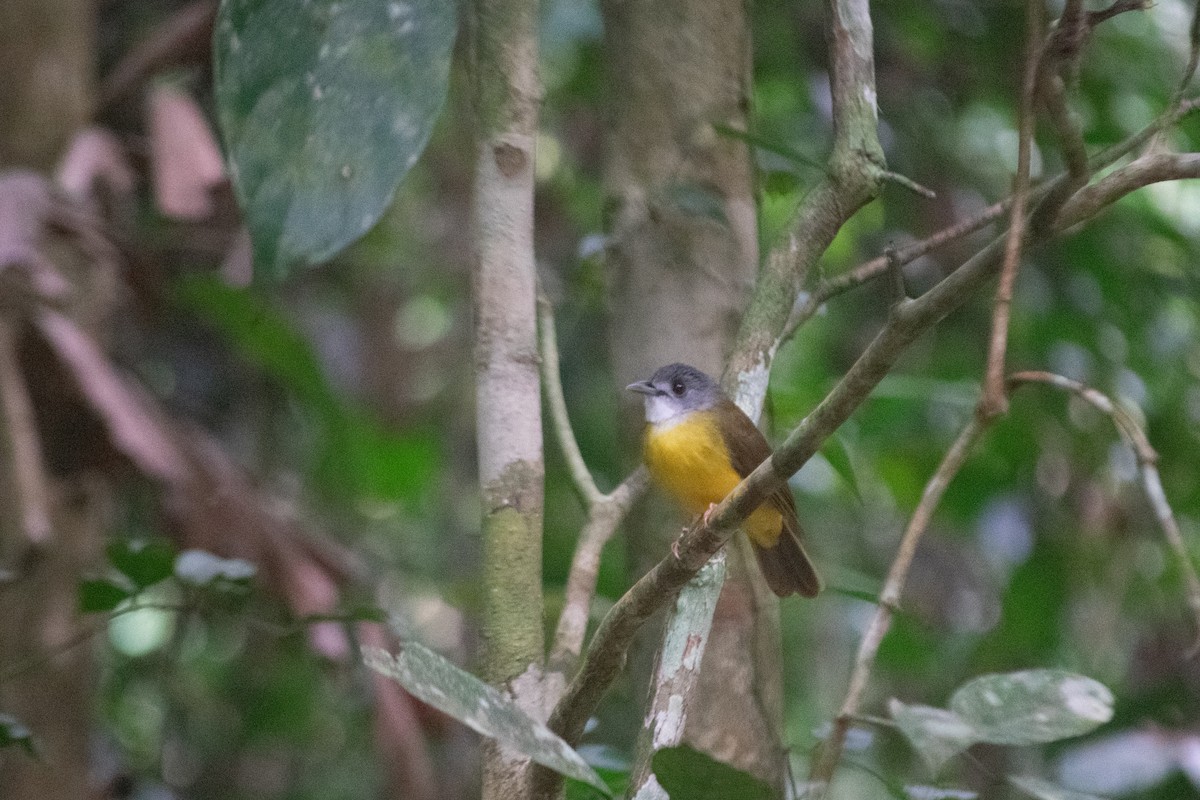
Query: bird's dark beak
{"x": 643, "y": 387}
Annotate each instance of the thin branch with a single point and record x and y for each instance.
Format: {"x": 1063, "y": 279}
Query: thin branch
{"x": 1094, "y": 18}
{"x": 889, "y": 598}
{"x": 605, "y": 512}
{"x": 604, "y": 517}
{"x": 869, "y": 270}
{"x": 581, "y": 477}
{"x": 1147, "y": 458}
{"x": 992, "y": 399}
{"x": 906, "y": 182}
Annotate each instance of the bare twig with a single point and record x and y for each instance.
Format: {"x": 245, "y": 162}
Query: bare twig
{"x": 1147, "y": 458}
{"x": 869, "y": 270}
{"x": 581, "y": 477}
{"x": 906, "y": 182}
{"x": 889, "y": 599}
{"x": 993, "y": 400}
{"x": 1094, "y": 18}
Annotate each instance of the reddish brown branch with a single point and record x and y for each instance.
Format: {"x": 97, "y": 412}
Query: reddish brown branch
{"x": 992, "y": 400}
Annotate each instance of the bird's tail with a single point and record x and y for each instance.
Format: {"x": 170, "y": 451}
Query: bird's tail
{"x": 787, "y": 568}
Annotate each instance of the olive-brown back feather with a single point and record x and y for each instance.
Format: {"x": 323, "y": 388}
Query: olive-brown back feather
{"x": 786, "y": 566}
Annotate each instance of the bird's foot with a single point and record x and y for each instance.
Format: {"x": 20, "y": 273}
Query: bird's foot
{"x": 706, "y": 517}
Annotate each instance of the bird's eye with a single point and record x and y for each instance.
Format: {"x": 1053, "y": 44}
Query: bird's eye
{"x": 677, "y": 387}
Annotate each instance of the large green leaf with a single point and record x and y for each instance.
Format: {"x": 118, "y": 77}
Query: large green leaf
{"x": 1034, "y": 706}
{"x": 687, "y": 774}
{"x": 1015, "y": 708}
{"x": 436, "y": 681}
{"x": 324, "y": 106}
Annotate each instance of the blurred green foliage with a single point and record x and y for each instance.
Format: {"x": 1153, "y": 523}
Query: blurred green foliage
{"x": 351, "y": 388}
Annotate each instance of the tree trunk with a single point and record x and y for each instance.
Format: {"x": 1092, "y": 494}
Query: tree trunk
{"x": 51, "y": 528}
{"x": 683, "y": 254}
{"x": 508, "y": 391}
{"x": 46, "y": 58}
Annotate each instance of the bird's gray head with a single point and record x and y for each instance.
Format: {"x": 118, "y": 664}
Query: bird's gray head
{"x": 676, "y": 390}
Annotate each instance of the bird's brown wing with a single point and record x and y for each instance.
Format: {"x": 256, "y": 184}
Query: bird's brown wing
{"x": 786, "y": 566}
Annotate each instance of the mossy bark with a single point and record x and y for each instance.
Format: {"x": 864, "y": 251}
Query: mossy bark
{"x": 508, "y": 392}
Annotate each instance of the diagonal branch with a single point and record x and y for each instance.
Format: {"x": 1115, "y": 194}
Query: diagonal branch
{"x": 889, "y": 598}
{"x": 908, "y": 321}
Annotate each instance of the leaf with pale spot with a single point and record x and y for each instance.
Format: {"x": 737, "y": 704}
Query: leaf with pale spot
{"x": 434, "y": 680}
{"x": 1033, "y": 706}
{"x": 201, "y": 568}
{"x": 323, "y": 107}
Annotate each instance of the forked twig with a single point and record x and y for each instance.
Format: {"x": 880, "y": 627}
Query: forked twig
{"x": 604, "y": 511}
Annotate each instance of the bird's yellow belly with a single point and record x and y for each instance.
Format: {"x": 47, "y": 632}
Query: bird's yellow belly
{"x": 690, "y": 462}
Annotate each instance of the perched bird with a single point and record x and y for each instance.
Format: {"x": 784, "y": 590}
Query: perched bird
{"x": 698, "y": 446}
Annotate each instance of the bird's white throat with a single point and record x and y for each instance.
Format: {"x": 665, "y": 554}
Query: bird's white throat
{"x": 663, "y": 412}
